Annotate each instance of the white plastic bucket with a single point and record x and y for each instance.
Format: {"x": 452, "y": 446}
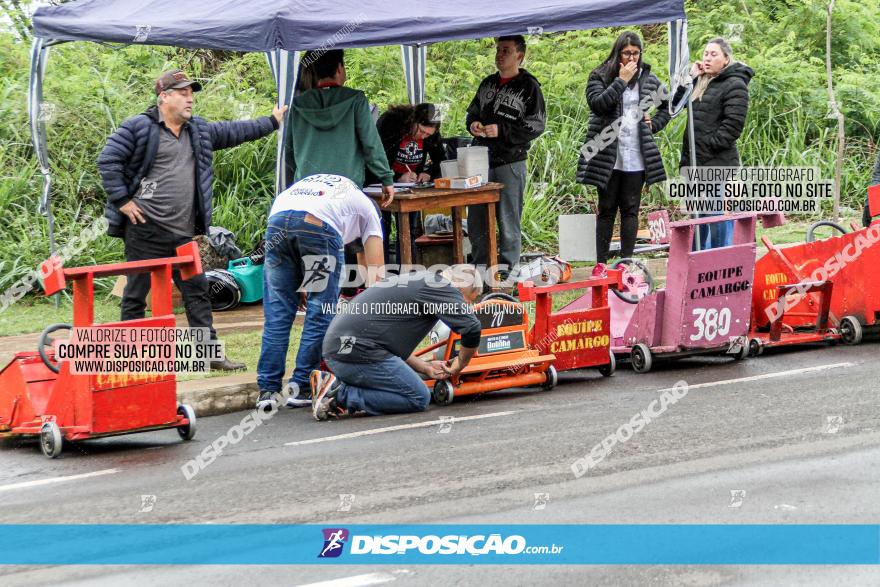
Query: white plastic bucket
{"x": 474, "y": 161}
{"x": 449, "y": 168}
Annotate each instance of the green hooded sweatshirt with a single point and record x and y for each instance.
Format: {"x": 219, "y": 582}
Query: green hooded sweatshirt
{"x": 330, "y": 130}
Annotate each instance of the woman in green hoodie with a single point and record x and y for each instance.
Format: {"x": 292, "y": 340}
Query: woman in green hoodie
{"x": 330, "y": 129}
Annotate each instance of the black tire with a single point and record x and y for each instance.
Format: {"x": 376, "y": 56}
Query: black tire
{"x": 811, "y": 237}
{"x": 44, "y": 340}
{"x": 187, "y": 431}
{"x": 850, "y": 330}
{"x": 609, "y": 369}
{"x": 552, "y": 379}
{"x": 225, "y": 293}
{"x": 51, "y": 440}
{"x": 497, "y": 295}
{"x": 443, "y": 393}
{"x": 641, "y": 358}
{"x": 632, "y": 299}
{"x": 756, "y": 347}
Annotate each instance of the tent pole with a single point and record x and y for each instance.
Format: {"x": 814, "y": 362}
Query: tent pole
{"x": 37, "y": 116}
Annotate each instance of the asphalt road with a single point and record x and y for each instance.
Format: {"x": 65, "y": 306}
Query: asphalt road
{"x": 790, "y": 437}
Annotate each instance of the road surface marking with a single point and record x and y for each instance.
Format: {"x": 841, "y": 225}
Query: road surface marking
{"x": 399, "y": 427}
{"x": 764, "y": 376}
{"x": 360, "y": 580}
{"x": 50, "y": 480}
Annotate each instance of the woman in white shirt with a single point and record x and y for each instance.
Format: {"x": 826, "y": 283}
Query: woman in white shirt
{"x": 620, "y": 155}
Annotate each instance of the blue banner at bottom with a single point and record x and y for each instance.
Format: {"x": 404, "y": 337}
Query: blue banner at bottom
{"x": 248, "y": 544}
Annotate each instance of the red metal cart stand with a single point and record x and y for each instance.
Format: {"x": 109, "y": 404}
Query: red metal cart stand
{"x": 791, "y": 306}
{"x": 578, "y": 334}
{"x": 39, "y": 396}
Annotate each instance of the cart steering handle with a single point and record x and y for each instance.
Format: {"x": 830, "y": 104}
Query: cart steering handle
{"x": 811, "y": 237}
{"x": 44, "y": 339}
{"x": 649, "y": 279}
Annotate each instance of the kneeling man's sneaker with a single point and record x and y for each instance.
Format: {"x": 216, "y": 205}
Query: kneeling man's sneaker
{"x": 297, "y": 397}
{"x": 267, "y": 401}
{"x": 325, "y": 386}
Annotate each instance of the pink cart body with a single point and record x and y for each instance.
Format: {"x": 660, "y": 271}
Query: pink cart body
{"x": 707, "y": 300}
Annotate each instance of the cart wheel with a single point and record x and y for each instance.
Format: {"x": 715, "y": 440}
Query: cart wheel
{"x": 850, "y": 330}
{"x": 641, "y": 358}
{"x": 634, "y": 296}
{"x": 552, "y": 379}
{"x": 811, "y": 237}
{"x": 44, "y": 340}
{"x": 742, "y": 354}
{"x": 497, "y": 295}
{"x": 756, "y": 348}
{"x": 443, "y": 393}
{"x": 609, "y": 369}
{"x": 51, "y": 440}
{"x": 187, "y": 431}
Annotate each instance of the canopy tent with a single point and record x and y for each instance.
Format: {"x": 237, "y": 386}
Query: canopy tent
{"x": 283, "y": 28}
{"x": 295, "y": 25}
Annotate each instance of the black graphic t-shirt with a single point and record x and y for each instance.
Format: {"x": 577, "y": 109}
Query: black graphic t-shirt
{"x": 409, "y": 153}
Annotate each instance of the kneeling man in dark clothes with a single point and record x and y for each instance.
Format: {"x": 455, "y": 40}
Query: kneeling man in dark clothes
{"x": 369, "y": 344}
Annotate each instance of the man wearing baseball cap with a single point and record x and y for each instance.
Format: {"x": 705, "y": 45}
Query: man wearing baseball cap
{"x": 157, "y": 170}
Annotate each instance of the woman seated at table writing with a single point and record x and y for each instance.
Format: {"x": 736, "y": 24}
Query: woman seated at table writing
{"x": 412, "y": 142}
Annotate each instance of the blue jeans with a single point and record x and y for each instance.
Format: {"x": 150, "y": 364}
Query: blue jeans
{"x": 383, "y": 387}
{"x": 298, "y": 254}
{"x": 719, "y": 234}
{"x": 508, "y": 212}
{"x": 713, "y": 236}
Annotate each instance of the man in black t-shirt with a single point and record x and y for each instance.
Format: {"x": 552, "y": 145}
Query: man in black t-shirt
{"x": 369, "y": 344}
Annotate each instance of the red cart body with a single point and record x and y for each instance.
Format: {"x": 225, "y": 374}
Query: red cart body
{"x": 35, "y": 400}
{"x": 824, "y": 290}
{"x": 579, "y": 334}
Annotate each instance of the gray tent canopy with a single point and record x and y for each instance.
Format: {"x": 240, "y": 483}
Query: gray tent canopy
{"x": 283, "y": 28}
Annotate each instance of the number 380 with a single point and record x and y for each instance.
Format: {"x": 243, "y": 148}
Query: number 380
{"x": 711, "y": 323}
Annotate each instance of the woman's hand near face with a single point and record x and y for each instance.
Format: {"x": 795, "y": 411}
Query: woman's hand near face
{"x": 628, "y": 71}
{"x": 697, "y": 69}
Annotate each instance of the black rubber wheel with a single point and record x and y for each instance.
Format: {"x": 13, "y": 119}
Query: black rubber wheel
{"x": 850, "y": 330}
{"x": 641, "y": 358}
{"x": 51, "y": 440}
{"x": 609, "y": 369}
{"x": 552, "y": 379}
{"x": 497, "y": 295}
{"x": 44, "y": 340}
{"x": 649, "y": 279}
{"x": 811, "y": 237}
{"x": 187, "y": 431}
{"x": 755, "y": 347}
{"x": 443, "y": 393}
